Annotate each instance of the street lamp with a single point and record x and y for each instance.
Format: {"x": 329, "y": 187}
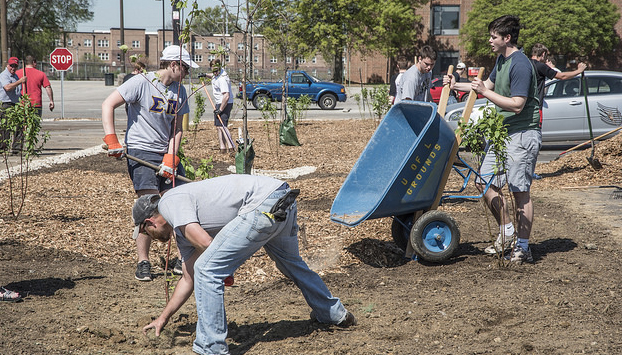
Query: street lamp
{"x": 163, "y": 25}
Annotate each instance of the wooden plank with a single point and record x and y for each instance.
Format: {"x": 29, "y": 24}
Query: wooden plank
{"x": 442, "y": 102}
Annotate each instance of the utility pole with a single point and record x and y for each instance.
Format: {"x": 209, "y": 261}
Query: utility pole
{"x": 5, "y": 37}
{"x": 122, "y": 37}
{"x": 176, "y": 19}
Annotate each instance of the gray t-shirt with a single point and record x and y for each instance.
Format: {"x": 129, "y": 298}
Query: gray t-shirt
{"x": 416, "y": 85}
{"x": 11, "y": 95}
{"x": 213, "y": 203}
{"x": 151, "y": 111}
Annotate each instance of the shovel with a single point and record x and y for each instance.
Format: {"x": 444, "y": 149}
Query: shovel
{"x": 596, "y": 165}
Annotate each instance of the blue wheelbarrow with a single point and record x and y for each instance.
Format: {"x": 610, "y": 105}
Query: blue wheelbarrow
{"x": 402, "y": 173}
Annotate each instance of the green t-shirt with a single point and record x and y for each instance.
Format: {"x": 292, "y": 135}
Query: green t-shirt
{"x": 515, "y": 76}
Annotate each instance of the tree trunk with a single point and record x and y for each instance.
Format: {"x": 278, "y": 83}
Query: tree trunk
{"x": 338, "y": 64}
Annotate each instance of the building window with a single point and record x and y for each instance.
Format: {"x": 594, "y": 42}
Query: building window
{"x": 256, "y": 46}
{"x": 240, "y": 46}
{"x": 57, "y": 43}
{"x": 211, "y": 46}
{"x": 198, "y": 45}
{"x": 135, "y": 44}
{"x": 273, "y": 60}
{"x": 167, "y": 43}
{"x": 103, "y": 56}
{"x": 445, "y": 20}
{"x": 102, "y": 43}
{"x": 119, "y": 56}
{"x": 88, "y": 56}
{"x": 301, "y": 60}
{"x": 314, "y": 60}
{"x": 197, "y": 58}
{"x": 227, "y": 59}
{"x": 443, "y": 60}
{"x": 118, "y": 43}
{"x": 273, "y": 71}
{"x": 70, "y": 42}
{"x": 240, "y": 59}
{"x": 228, "y": 45}
{"x": 288, "y": 60}
{"x": 256, "y": 59}
{"x": 88, "y": 43}
{"x": 211, "y": 57}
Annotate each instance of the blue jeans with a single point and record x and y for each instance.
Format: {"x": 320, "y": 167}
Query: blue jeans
{"x": 231, "y": 247}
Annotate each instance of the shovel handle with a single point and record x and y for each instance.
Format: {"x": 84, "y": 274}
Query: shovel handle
{"x": 148, "y": 164}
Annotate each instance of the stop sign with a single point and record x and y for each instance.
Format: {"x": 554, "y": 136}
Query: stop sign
{"x": 61, "y": 59}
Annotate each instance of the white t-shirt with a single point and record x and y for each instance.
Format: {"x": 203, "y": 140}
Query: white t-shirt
{"x": 220, "y": 85}
{"x": 151, "y": 111}
{"x": 416, "y": 85}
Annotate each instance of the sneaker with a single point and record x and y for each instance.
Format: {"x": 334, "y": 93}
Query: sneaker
{"x": 177, "y": 270}
{"x": 143, "y": 271}
{"x": 501, "y": 245}
{"x": 520, "y": 255}
{"x": 348, "y": 321}
{"x": 9, "y": 296}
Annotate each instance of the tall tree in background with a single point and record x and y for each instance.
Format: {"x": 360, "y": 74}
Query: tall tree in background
{"x": 214, "y": 20}
{"x": 33, "y": 25}
{"x": 331, "y": 26}
{"x": 572, "y": 28}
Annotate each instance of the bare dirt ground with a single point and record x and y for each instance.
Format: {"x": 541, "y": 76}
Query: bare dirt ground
{"x": 71, "y": 254}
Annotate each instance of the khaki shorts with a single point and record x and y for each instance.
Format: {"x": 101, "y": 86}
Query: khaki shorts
{"x": 523, "y": 148}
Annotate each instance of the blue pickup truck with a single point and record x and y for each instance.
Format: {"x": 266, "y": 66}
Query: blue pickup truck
{"x": 326, "y": 94}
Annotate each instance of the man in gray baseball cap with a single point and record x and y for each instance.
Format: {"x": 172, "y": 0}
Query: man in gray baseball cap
{"x": 220, "y": 223}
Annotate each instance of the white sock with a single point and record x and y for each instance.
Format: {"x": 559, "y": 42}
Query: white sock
{"x": 507, "y": 230}
{"x": 524, "y": 243}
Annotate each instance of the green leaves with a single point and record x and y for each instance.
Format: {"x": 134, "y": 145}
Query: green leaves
{"x": 489, "y": 128}
{"x": 572, "y": 28}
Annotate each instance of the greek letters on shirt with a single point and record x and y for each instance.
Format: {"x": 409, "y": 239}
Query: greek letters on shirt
{"x": 160, "y": 105}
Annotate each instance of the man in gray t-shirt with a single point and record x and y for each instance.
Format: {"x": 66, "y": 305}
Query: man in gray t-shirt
{"x": 219, "y": 223}
{"x": 415, "y": 82}
{"x": 156, "y": 103}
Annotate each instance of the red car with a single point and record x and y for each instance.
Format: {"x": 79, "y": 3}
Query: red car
{"x": 437, "y": 87}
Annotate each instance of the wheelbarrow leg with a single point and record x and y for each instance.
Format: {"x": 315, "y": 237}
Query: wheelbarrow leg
{"x": 410, "y": 252}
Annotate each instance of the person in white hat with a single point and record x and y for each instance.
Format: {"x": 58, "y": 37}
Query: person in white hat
{"x": 156, "y": 103}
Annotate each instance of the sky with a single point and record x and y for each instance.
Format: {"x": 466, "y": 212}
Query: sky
{"x": 145, "y": 14}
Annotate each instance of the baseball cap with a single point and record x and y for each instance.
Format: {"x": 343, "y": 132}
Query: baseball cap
{"x": 460, "y": 66}
{"x": 172, "y": 53}
{"x": 13, "y": 60}
{"x": 143, "y": 208}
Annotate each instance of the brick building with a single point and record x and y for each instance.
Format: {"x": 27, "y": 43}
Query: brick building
{"x": 442, "y": 20}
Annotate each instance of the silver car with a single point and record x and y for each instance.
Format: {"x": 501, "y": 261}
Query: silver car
{"x": 564, "y": 114}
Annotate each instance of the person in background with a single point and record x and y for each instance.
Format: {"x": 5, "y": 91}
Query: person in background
{"x": 137, "y": 68}
{"x": 156, "y": 103}
{"x": 416, "y": 80}
{"x": 460, "y": 68}
{"x": 221, "y": 87}
{"x": 551, "y": 62}
{"x": 396, "y": 80}
{"x": 36, "y": 80}
{"x": 9, "y": 94}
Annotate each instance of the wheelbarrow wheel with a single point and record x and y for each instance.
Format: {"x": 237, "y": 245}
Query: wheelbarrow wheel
{"x": 435, "y": 236}
{"x": 400, "y": 229}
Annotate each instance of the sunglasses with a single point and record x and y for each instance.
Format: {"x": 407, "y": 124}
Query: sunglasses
{"x": 13, "y": 65}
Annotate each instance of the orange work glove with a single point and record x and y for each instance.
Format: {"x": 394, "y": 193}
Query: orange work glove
{"x": 168, "y": 166}
{"x": 115, "y": 149}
